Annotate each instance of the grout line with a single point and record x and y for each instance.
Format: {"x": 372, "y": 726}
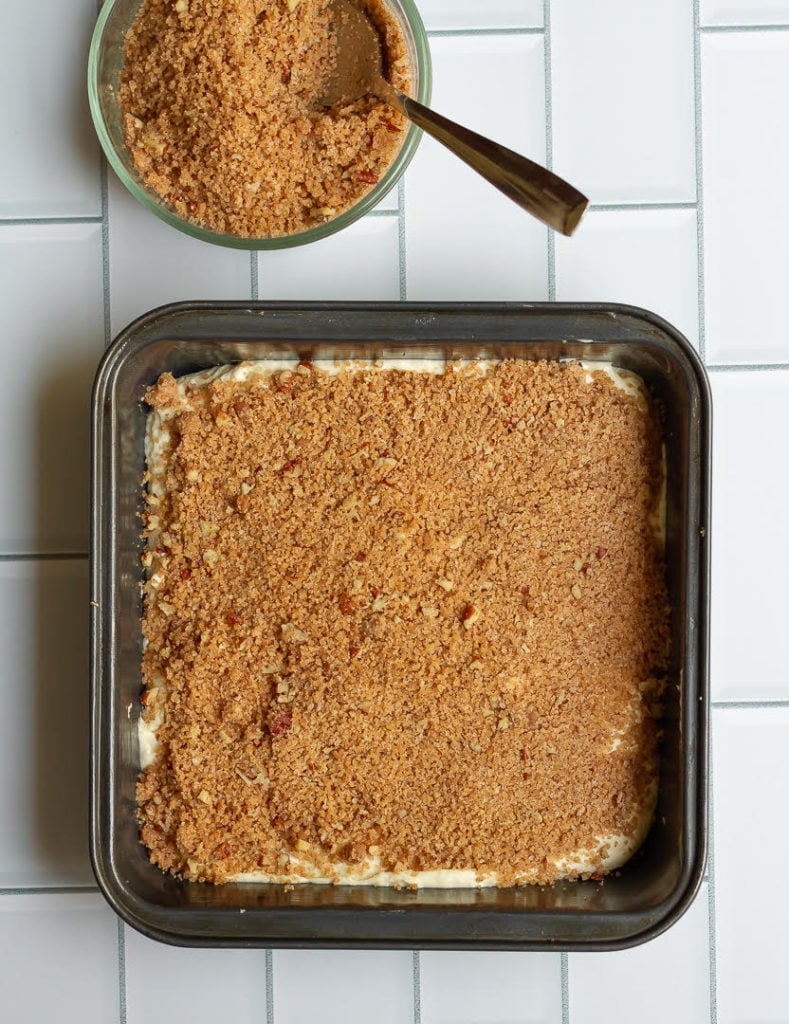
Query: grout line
{"x": 748, "y": 705}
{"x": 269, "y": 987}
{"x": 565, "y": 960}
{"x": 105, "y": 234}
{"x": 748, "y": 367}
{"x": 105, "y": 251}
{"x": 37, "y": 556}
{"x": 52, "y": 890}
{"x": 725, "y": 29}
{"x": 121, "y": 973}
{"x": 254, "y": 276}
{"x": 713, "y": 948}
{"x": 699, "y": 146}
{"x": 616, "y": 207}
{"x": 10, "y": 222}
{"x": 401, "y": 240}
{"x": 548, "y": 71}
{"x": 551, "y": 266}
{"x": 444, "y": 33}
{"x": 417, "y": 976}
{"x": 392, "y": 212}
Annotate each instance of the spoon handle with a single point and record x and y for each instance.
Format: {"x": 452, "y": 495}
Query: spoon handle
{"x": 533, "y": 187}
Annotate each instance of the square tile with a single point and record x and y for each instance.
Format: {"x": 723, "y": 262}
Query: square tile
{"x": 681, "y": 954}
{"x": 460, "y": 14}
{"x": 750, "y": 562}
{"x": 623, "y": 100}
{"x": 52, "y": 334}
{"x": 50, "y": 165}
{"x": 744, "y": 12}
{"x": 464, "y": 239}
{"x": 491, "y": 988}
{"x": 745, "y": 80}
{"x": 152, "y": 263}
{"x": 751, "y": 778}
{"x": 59, "y": 959}
{"x": 201, "y": 986}
{"x": 343, "y": 987}
{"x": 360, "y": 262}
{"x": 44, "y": 727}
{"x": 390, "y": 201}
{"x": 647, "y": 258}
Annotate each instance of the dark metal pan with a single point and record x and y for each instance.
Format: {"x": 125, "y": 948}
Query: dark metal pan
{"x": 653, "y": 889}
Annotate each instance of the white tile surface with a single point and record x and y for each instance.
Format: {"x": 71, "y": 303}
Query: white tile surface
{"x": 465, "y": 240}
{"x": 751, "y": 779}
{"x": 621, "y": 105}
{"x": 491, "y": 988}
{"x": 43, "y": 728}
{"x": 151, "y": 263}
{"x": 361, "y": 262}
{"x": 51, "y": 334}
{"x": 750, "y": 561}
{"x": 50, "y": 162}
{"x": 342, "y": 987}
{"x": 746, "y": 255}
{"x": 623, "y": 116}
{"x": 744, "y": 12}
{"x": 644, "y": 257}
{"x": 198, "y": 986}
{"x": 681, "y": 955}
{"x": 58, "y": 959}
{"x": 458, "y": 14}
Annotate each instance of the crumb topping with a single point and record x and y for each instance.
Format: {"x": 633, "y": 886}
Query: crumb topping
{"x": 409, "y": 617}
{"x": 221, "y": 114}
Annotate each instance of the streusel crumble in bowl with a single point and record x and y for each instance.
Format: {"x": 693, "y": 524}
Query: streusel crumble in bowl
{"x": 209, "y": 112}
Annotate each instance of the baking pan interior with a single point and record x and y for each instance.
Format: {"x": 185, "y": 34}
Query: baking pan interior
{"x": 652, "y": 890}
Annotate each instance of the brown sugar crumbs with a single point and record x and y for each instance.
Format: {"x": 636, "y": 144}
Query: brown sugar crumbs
{"x": 221, "y": 112}
{"x": 405, "y": 619}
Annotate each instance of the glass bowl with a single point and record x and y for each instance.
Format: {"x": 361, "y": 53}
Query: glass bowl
{"x": 105, "y": 62}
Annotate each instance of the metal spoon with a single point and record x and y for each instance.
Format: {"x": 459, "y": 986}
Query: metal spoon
{"x": 359, "y": 72}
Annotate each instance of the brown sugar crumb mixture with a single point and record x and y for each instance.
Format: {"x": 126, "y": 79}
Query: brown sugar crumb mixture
{"x": 400, "y": 618}
{"x": 220, "y": 105}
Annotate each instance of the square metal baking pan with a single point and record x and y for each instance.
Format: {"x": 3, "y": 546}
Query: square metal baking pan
{"x": 652, "y": 890}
